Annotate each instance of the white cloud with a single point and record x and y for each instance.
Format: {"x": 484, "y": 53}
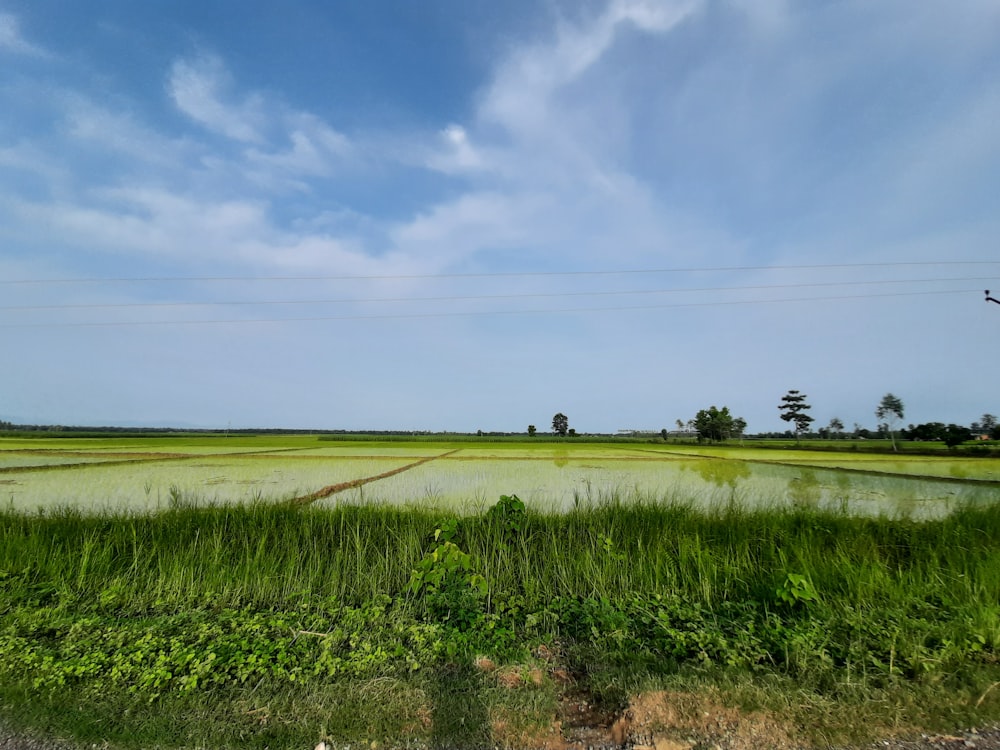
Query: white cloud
{"x": 199, "y": 87}
{"x": 315, "y": 148}
{"x": 468, "y": 224}
{"x": 541, "y": 179}
{"x": 653, "y": 15}
{"x": 120, "y": 133}
{"x": 12, "y": 41}
{"x": 28, "y": 158}
{"x": 520, "y": 98}
{"x": 458, "y": 153}
{"x": 199, "y": 231}
{"x": 284, "y": 147}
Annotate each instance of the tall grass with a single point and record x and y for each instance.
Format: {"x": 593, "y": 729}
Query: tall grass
{"x": 296, "y": 611}
{"x": 268, "y": 556}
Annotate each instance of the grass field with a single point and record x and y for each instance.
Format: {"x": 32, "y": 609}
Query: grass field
{"x": 237, "y": 610}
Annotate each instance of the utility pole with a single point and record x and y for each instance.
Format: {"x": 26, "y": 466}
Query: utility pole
{"x": 990, "y": 299}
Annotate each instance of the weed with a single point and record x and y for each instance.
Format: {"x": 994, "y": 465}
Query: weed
{"x": 796, "y": 589}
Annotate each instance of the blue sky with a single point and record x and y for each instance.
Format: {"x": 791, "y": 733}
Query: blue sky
{"x": 466, "y": 215}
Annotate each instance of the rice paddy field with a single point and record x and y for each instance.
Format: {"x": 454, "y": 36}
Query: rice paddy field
{"x": 145, "y": 474}
{"x": 279, "y": 591}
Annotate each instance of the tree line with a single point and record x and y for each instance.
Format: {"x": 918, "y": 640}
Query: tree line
{"x": 717, "y": 425}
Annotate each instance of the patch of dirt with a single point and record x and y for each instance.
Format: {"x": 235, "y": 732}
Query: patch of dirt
{"x": 657, "y": 721}
{"x": 674, "y": 720}
{"x": 670, "y": 719}
{"x": 586, "y": 724}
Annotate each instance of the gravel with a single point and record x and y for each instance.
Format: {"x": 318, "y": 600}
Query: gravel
{"x": 10, "y": 740}
{"x": 985, "y": 738}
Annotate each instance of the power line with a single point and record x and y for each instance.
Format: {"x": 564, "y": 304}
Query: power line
{"x": 466, "y": 298}
{"x": 490, "y": 274}
{"x": 403, "y": 316}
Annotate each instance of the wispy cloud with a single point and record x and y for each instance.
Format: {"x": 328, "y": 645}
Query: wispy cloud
{"x": 200, "y": 88}
{"x": 535, "y": 154}
{"x": 534, "y": 185}
{"x": 315, "y": 149}
{"x": 97, "y": 126}
{"x": 281, "y": 147}
{"x": 521, "y": 98}
{"x": 12, "y": 41}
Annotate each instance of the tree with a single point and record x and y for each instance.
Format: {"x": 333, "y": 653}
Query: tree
{"x": 680, "y": 425}
{"x": 928, "y": 431}
{"x": 988, "y": 422}
{"x": 716, "y": 425}
{"x": 793, "y": 408}
{"x": 955, "y": 435}
{"x": 836, "y": 426}
{"x": 890, "y": 409}
{"x": 560, "y": 424}
{"x": 739, "y": 427}
{"x": 532, "y": 430}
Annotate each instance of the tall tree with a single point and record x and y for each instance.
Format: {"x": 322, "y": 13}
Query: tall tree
{"x": 890, "y": 411}
{"x": 836, "y": 426}
{"x": 988, "y": 422}
{"x": 794, "y": 409}
{"x": 531, "y": 430}
{"x": 716, "y": 425}
{"x": 560, "y": 424}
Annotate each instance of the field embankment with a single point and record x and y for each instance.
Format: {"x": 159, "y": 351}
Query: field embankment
{"x": 270, "y": 625}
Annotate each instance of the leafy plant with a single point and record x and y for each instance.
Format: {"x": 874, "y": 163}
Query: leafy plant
{"x": 452, "y": 591}
{"x": 448, "y": 531}
{"x": 510, "y": 513}
{"x": 796, "y": 589}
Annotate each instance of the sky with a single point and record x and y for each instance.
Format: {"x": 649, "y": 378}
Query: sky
{"x": 461, "y": 215}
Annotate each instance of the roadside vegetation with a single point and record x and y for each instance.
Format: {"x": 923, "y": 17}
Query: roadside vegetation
{"x": 277, "y": 625}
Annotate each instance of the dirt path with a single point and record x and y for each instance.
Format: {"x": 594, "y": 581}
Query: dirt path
{"x": 127, "y": 458}
{"x": 820, "y": 466}
{"x": 333, "y": 489}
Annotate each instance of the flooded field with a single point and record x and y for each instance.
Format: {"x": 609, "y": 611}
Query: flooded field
{"x": 147, "y": 474}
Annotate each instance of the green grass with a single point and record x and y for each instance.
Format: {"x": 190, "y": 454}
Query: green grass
{"x": 261, "y": 555}
{"x": 260, "y": 625}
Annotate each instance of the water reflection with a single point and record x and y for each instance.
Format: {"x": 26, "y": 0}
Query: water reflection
{"x": 804, "y": 490}
{"x": 722, "y": 473}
